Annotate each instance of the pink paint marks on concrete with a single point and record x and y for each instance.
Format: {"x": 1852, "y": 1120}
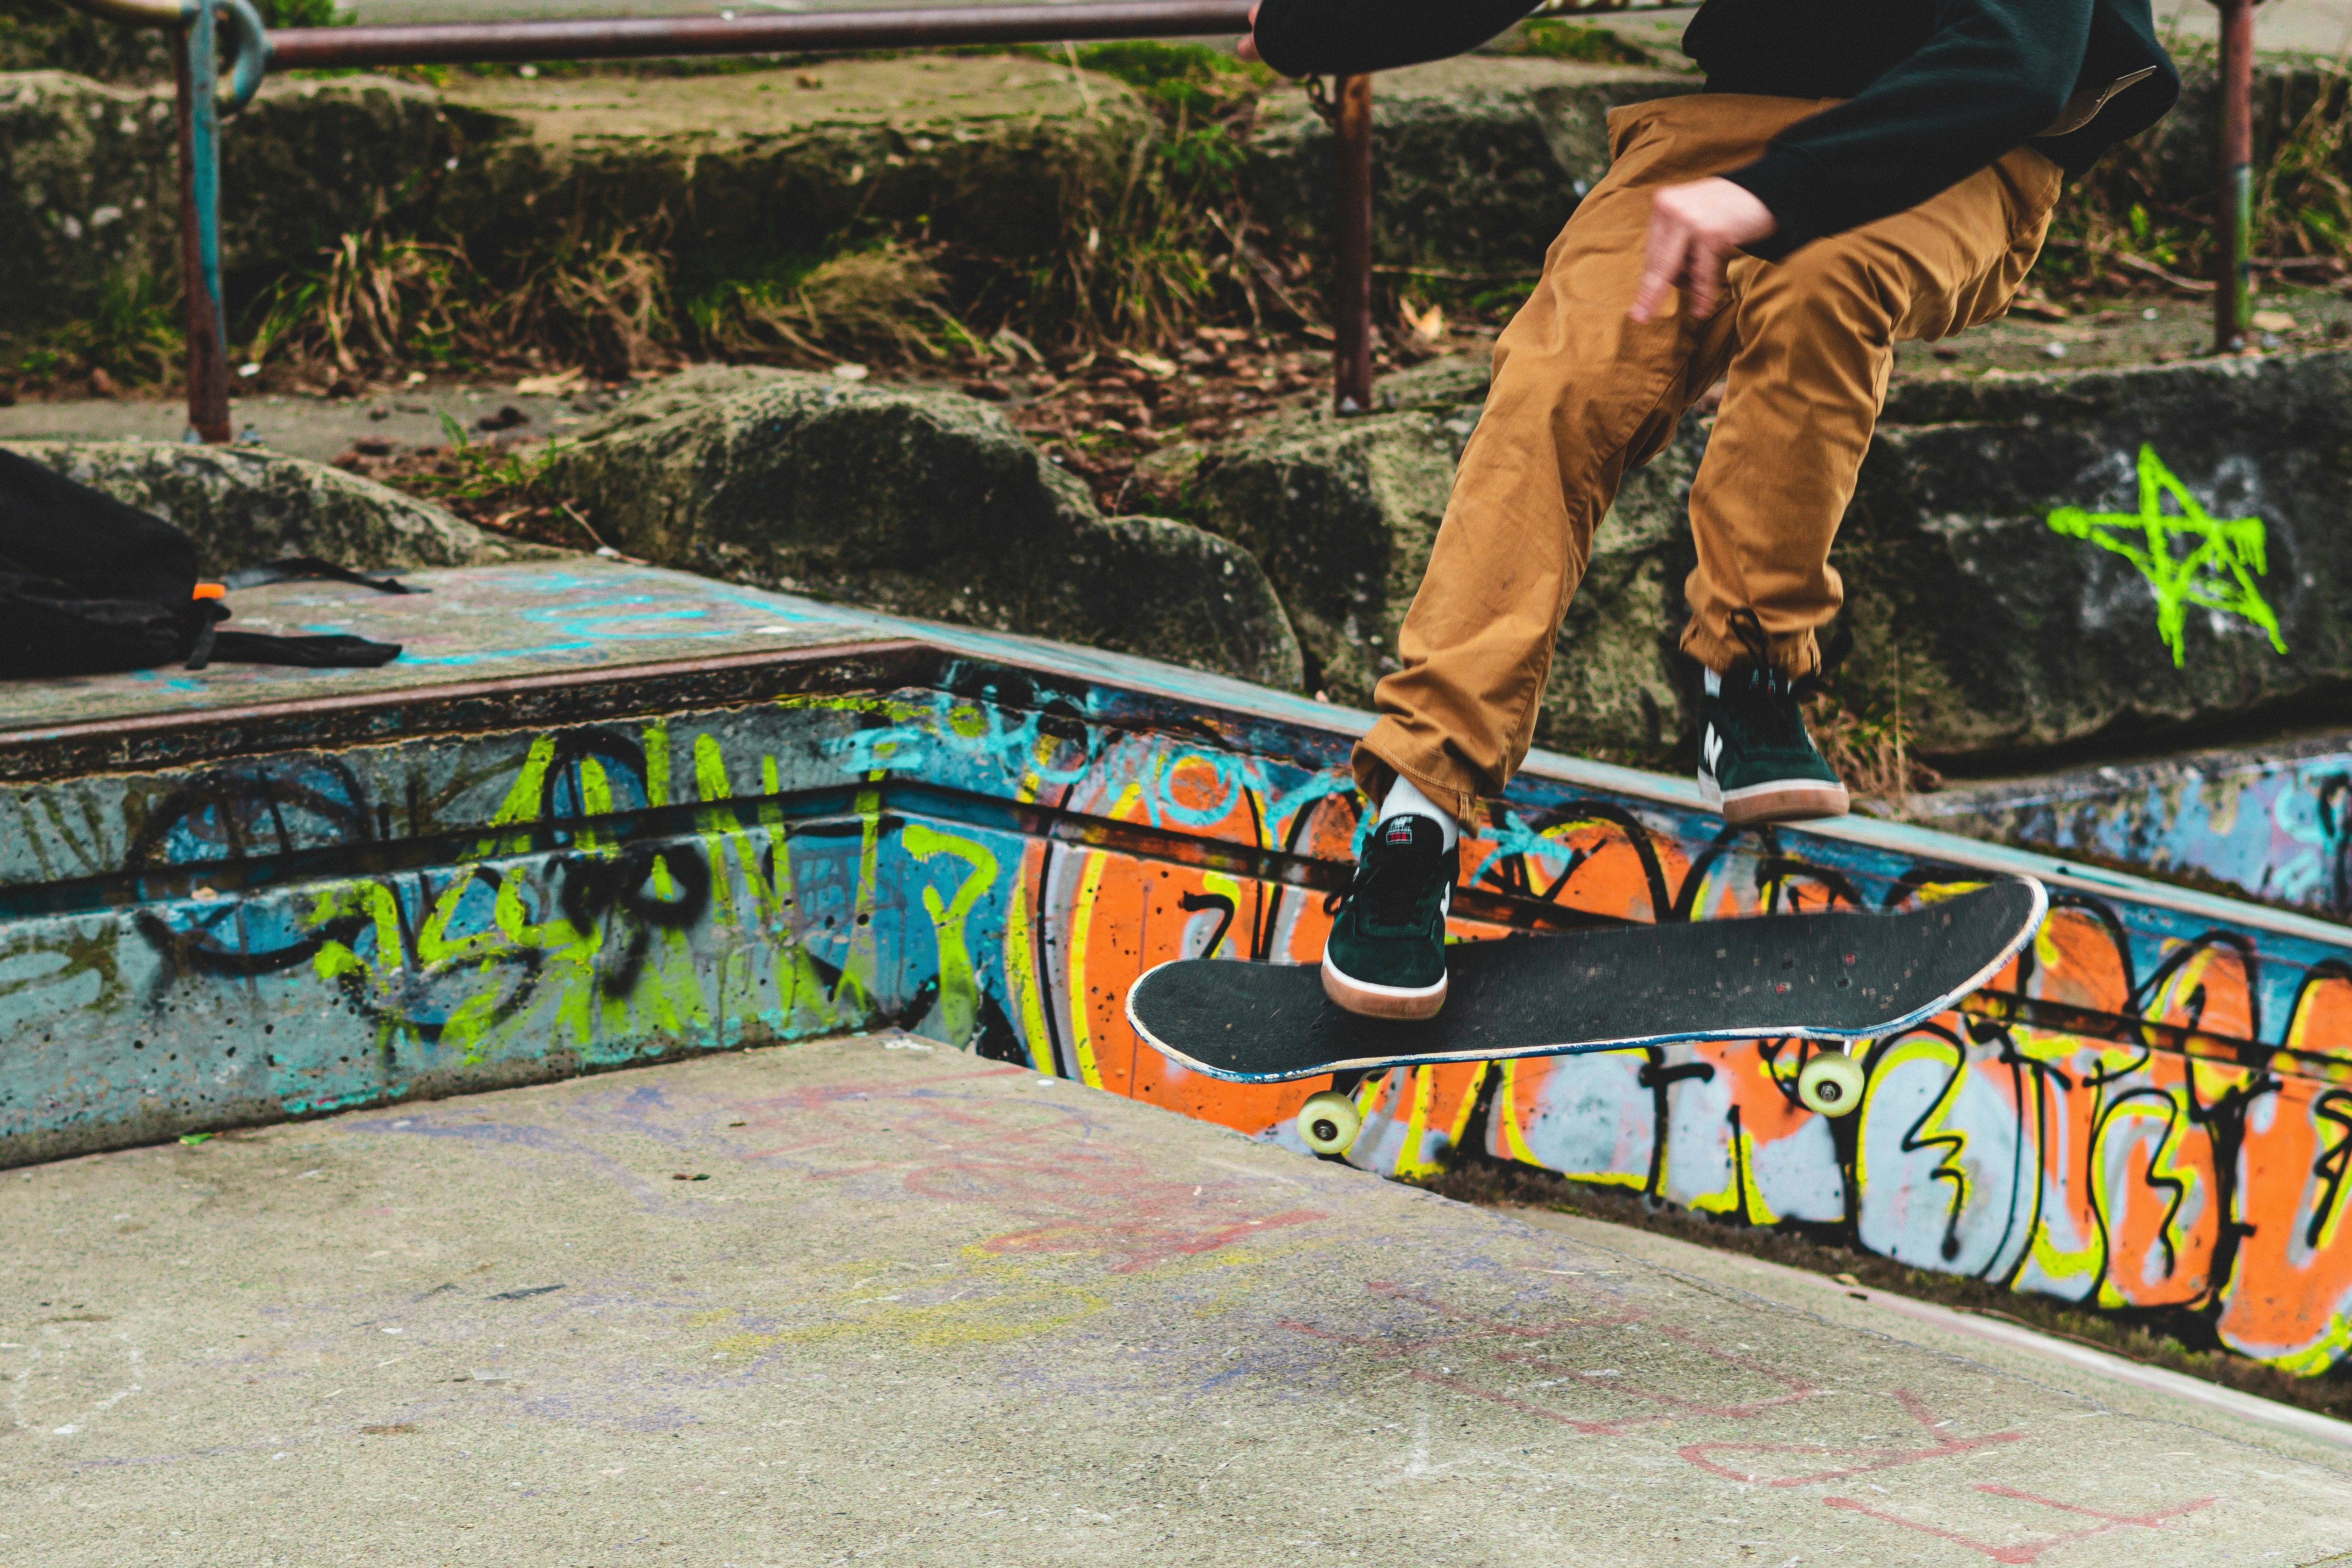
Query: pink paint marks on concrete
{"x": 2028, "y": 1550}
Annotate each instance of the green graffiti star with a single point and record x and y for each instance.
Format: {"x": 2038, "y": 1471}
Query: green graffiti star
{"x": 2225, "y": 554}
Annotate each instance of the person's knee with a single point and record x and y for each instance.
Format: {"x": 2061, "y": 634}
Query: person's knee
{"x": 1825, "y": 287}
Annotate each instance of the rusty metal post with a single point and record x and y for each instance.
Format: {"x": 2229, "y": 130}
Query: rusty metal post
{"x": 2233, "y": 300}
{"x": 1352, "y": 280}
{"x": 196, "y": 70}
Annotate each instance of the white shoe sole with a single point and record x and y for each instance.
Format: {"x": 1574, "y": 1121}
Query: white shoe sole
{"x": 1789, "y": 800}
{"x": 1371, "y": 1000}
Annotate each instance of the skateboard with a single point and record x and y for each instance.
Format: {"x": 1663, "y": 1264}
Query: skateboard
{"x": 1835, "y": 977}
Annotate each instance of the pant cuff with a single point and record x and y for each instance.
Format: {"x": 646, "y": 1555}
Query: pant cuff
{"x": 1388, "y": 750}
{"x": 1790, "y": 653}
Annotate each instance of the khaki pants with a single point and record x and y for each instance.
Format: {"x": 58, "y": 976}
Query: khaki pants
{"x": 1581, "y": 393}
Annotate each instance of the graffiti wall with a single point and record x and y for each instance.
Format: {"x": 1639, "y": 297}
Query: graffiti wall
{"x": 2151, "y": 1107}
{"x": 2274, "y": 823}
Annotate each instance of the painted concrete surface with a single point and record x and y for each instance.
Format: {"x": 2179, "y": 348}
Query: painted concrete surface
{"x": 220, "y": 908}
{"x": 2268, "y": 819}
{"x": 931, "y": 1309}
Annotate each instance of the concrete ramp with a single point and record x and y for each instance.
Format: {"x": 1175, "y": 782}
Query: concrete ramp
{"x": 926, "y": 1309}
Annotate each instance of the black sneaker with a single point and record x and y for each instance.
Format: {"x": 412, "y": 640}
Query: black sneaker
{"x": 1755, "y": 763}
{"x": 1386, "y": 956}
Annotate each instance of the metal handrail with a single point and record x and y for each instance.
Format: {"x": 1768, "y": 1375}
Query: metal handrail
{"x": 640, "y": 38}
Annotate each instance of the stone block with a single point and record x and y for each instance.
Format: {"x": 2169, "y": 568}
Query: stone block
{"x": 310, "y": 161}
{"x": 923, "y": 503}
{"x": 1342, "y": 514}
{"x": 243, "y": 506}
{"x": 88, "y": 198}
{"x": 2008, "y": 636}
{"x": 736, "y": 172}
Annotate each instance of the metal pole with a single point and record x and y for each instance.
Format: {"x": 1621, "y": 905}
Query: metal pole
{"x": 629, "y": 38}
{"x": 195, "y": 67}
{"x": 1351, "y": 281}
{"x": 2232, "y": 300}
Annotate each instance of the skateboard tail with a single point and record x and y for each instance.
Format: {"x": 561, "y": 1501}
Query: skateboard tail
{"x": 2039, "y": 910}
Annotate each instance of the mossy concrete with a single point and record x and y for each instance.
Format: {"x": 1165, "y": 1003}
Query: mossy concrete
{"x": 1476, "y": 162}
{"x": 87, "y": 196}
{"x": 728, "y": 173}
{"x": 923, "y": 503}
{"x": 735, "y": 172}
{"x": 243, "y": 506}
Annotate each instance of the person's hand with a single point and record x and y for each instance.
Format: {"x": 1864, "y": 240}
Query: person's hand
{"x": 1247, "y": 47}
{"x": 1694, "y": 229}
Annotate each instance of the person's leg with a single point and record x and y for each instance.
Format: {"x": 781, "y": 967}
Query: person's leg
{"x": 1581, "y": 395}
{"x": 1815, "y": 339}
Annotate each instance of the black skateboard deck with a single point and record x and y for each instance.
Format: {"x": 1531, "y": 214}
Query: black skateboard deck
{"x": 1838, "y": 976}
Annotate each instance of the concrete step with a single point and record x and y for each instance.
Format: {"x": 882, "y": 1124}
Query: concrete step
{"x": 937, "y": 1310}
{"x": 600, "y": 814}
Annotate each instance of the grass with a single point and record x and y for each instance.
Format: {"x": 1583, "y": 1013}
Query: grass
{"x": 882, "y": 302}
{"x": 1552, "y": 39}
{"x": 1871, "y": 753}
{"x": 133, "y": 335}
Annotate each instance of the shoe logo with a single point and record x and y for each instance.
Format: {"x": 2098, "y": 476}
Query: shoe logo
{"x": 1711, "y": 749}
{"x": 1400, "y": 830}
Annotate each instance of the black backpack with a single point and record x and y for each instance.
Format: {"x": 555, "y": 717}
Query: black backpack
{"x": 88, "y": 585}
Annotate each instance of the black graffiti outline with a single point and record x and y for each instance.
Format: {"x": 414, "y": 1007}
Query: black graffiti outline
{"x": 2334, "y": 1107}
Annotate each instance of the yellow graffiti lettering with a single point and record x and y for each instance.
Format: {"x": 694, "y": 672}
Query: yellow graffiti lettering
{"x": 959, "y": 988}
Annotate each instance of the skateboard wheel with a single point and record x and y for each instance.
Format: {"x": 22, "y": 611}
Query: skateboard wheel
{"x": 1329, "y": 1122}
{"x": 1831, "y": 1084}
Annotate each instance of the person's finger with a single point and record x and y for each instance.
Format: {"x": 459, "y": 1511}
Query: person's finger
{"x": 1702, "y": 269}
{"x": 1662, "y": 268}
{"x": 1246, "y": 47}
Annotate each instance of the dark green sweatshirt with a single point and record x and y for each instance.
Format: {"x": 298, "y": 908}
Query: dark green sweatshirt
{"x": 1936, "y": 89}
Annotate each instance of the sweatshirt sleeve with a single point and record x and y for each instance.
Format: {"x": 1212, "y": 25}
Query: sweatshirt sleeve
{"x": 1992, "y": 75}
{"x": 1351, "y": 37}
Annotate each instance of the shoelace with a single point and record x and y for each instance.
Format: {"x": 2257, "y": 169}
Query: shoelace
{"x": 1382, "y": 885}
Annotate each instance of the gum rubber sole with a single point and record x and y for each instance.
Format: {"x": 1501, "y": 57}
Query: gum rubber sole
{"x": 1369, "y": 1001}
{"x": 1784, "y": 803}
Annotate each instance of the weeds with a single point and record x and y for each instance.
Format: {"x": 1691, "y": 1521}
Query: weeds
{"x": 134, "y": 333}
{"x": 882, "y": 302}
{"x": 586, "y": 297}
{"x": 1871, "y": 754}
{"x": 2128, "y": 225}
{"x": 374, "y": 301}
{"x": 1143, "y": 255}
